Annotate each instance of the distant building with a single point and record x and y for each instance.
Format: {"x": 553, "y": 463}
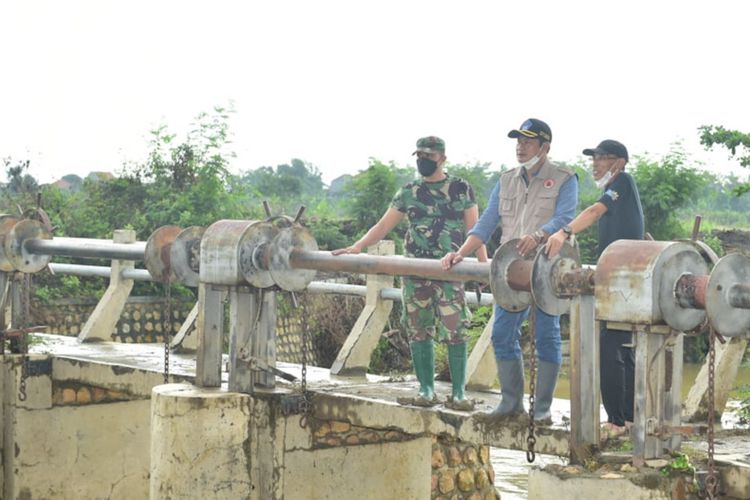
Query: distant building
{"x": 63, "y": 184}
{"x": 100, "y": 176}
{"x": 73, "y": 182}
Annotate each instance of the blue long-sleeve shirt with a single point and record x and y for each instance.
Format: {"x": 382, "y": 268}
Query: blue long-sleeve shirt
{"x": 565, "y": 210}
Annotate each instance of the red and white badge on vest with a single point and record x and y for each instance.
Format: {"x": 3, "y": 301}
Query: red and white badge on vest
{"x": 549, "y": 183}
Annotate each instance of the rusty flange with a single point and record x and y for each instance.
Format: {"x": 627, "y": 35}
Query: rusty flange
{"x": 158, "y": 253}
{"x": 678, "y": 260}
{"x": 6, "y": 224}
{"x": 547, "y": 272}
{"x": 185, "y": 255}
{"x": 254, "y": 243}
{"x": 511, "y": 277}
{"x": 287, "y": 241}
{"x": 727, "y": 319}
{"x": 15, "y": 248}
{"x": 706, "y": 251}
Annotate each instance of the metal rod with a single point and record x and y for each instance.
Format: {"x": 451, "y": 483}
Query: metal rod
{"x": 739, "y": 295}
{"x": 390, "y": 265}
{"x": 690, "y": 291}
{"x": 314, "y": 287}
{"x": 98, "y": 271}
{"x": 519, "y": 275}
{"x": 88, "y": 248}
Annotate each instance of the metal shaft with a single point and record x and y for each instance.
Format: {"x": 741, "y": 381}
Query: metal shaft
{"x": 519, "y": 275}
{"x": 90, "y": 248}
{"x": 739, "y": 296}
{"x": 690, "y": 291}
{"x": 98, "y": 271}
{"x": 390, "y": 265}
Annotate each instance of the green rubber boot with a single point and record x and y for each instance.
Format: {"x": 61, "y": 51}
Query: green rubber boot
{"x": 457, "y": 355}
{"x": 423, "y": 357}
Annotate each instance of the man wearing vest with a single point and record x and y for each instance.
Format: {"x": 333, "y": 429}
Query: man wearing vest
{"x": 620, "y": 217}
{"x": 531, "y": 202}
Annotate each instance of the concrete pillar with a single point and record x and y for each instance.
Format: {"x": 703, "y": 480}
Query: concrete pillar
{"x": 210, "y": 332}
{"x": 481, "y": 368}
{"x": 728, "y": 361}
{"x": 584, "y": 378}
{"x": 354, "y": 357}
{"x": 103, "y": 320}
{"x": 200, "y": 443}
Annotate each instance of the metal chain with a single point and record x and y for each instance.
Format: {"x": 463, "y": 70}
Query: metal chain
{"x": 23, "y": 341}
{"x": 167, "y": 329}
{"x": 711, "y": 480}
{"x": 306, "y": 406}
{"x": 531, "y": 439}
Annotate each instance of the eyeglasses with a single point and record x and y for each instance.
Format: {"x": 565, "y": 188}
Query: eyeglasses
{"x": 603, "y": 157}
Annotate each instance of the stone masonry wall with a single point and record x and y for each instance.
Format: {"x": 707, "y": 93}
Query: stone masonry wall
{"x": 460, "y": 471}
{"x": 141, "y": 319}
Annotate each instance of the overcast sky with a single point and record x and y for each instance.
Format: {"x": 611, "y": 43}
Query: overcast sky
{"x": 335, "y": 83}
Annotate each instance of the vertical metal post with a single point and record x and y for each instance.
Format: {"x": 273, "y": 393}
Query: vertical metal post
{"x": 264, "y": 345}
{"x": 673, "y": 392}
{"x": 209, "y": 329}
{"x": 649, "y": 405}
{"x": 584, "y": 378}
{"x": 16, "y": 308}
{"x": 4, "y": 289}
{"x": 243, "y": 313}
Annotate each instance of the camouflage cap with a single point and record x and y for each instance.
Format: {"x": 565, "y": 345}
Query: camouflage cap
{"x": 430, "y": 144}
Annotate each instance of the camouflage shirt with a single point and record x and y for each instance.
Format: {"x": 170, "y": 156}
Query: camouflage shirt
{"x": 436, "y": 215}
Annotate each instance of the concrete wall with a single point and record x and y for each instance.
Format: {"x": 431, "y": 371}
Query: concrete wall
{"x": 70, "y": 439}
{"x": 229, "y": 445}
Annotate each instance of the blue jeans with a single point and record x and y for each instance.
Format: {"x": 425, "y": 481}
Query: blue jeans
{"x": 506, "y": 335}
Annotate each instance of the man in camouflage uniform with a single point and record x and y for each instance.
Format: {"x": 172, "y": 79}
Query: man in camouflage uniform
{"x": 440, "y": 209}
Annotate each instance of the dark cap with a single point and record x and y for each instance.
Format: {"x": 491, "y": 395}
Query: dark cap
{"x": 536, "y": 129}
{"x": 608, "y": 147}
{"x": 430, "y": 144}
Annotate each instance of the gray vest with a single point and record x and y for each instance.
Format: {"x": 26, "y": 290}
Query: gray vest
{"x": 524, "y": 209}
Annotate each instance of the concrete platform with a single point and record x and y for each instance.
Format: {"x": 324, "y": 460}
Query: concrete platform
{"x": 369, "y": 402}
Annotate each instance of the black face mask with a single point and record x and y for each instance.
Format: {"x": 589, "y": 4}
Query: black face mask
{"x": 426, "y": 166}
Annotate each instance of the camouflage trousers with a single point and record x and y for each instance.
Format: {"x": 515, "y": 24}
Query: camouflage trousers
{"x": 434, "y": 310}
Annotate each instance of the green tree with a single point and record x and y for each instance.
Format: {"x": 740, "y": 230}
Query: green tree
{"x": 665, "y": 187}
{"x": 287, "y": 186}
{"x": 478, "y": 177}
{"x": 370, "y": 193}
{"x": 22, "y": 187}
{"x": 738, "y": 144}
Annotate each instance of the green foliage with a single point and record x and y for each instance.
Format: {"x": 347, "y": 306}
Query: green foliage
{"x": 680, "y": 463}
{"x": 733, "y": 141}
{"x": 330, "y": 234}
{"x": 743, "y": 412}
{"x": 65, "y": 286}
{"x": 21, "y": 189}
{"x": 370, "y": 193}
{"x": 286, "y": 187}
{"x": 478, "y": 177}
{"x": 666, "y": 186}
{"x": 588, "y": 194}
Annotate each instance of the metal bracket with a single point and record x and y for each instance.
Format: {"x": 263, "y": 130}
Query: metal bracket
{"x": 258, "y": 364}
{"x": 294, "y": 404}
{"x": 666, "y": 431}
{"x": 39, "y": 367}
